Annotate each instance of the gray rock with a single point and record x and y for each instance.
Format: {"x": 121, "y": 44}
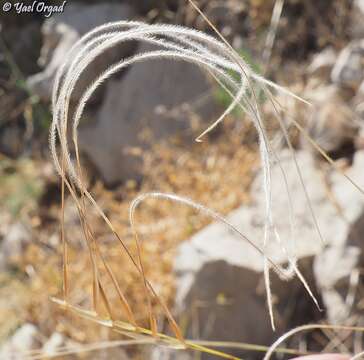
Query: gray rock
{"x": 24, "y": 42}
{"x": 163, "y": 97}
{"x": 53, "y": 343}
{"x": 357, "y": 19}
{"x": 322, "y": 63}
{"x": 219, "y": 287}
{"x": 61, "y": 31}
{"x": 26, "y": 338}
{"x": 14, "y": 243}
{"x": 331, "y": 122}
{"x": 358, "y": 103}
{"x": 144, "y": 6}
{"x": 333, "y": 268}
{"x": 349, "y": 69}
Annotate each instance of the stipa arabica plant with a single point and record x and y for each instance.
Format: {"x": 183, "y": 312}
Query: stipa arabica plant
{"x": 235, "y": 76}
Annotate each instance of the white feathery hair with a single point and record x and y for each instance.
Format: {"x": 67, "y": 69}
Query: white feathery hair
{"x": 180, "y": 44}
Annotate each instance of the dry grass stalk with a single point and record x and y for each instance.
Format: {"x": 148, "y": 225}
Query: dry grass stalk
{"x": 179, "y": 44}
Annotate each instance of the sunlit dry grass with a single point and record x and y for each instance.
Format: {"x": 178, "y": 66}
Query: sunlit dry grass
{"x": 120, "y": 290}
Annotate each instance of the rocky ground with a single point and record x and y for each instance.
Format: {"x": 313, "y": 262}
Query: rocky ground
{"x": 143, "y": 141}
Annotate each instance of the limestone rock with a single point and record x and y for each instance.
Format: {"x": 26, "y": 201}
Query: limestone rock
{"x": 333, "y": 268}
{"x": 219, "y": 275}
{"x": 331, "y": 122}
{"x": 51, "y": 346}
{"x": 26, "y": 338}
{"x": 61, "y": 31}
{"x": 161, "y": 96}
{"x": 349, "y": 69}
{"x": 219, "y": 286}
{"x": 322, "y": 63}
{"x": 335, "y": 265}
{"x": 357, "y": 23}
{"x": 359, "y": 103}
{"x": 13, "y": 243}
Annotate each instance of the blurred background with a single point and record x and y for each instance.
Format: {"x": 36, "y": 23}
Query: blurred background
{"x": 137, "y": 135}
